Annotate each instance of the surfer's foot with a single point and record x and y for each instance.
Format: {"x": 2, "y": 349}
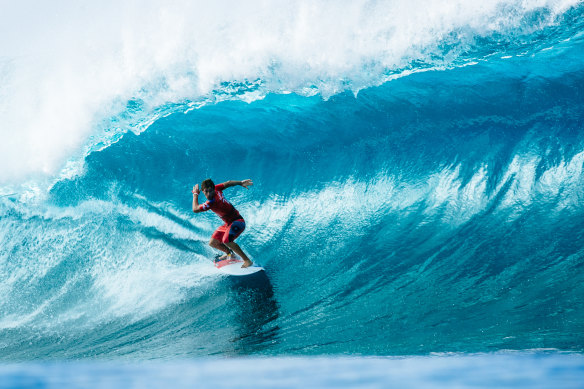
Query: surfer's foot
{"x": 224, "y": 256}
{"x": 247, "y": 263}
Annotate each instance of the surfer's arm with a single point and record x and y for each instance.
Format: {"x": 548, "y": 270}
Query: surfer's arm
{"x": 244, "y": 183}
{"x": 196, "y": 192}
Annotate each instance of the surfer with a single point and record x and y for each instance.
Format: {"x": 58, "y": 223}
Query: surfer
{"x": 223, "y": 238}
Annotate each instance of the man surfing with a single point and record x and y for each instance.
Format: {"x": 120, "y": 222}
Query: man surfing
{"x": 223, "y": 238}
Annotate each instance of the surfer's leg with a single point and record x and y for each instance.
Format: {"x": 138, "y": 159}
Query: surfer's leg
{"x": 220, "y": 246}
{"x": 237, "y": 250}
{"x": 233, "y": 231}
{"x": 217, "y": 241}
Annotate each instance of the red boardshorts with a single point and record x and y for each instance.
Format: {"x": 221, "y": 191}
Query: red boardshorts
{"x": 229, "y": 232}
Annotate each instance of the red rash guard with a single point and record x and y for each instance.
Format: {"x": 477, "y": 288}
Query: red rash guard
{"x": 221, "y": 207}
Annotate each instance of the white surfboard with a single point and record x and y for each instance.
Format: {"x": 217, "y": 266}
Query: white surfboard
{"x": 232, "y": 266}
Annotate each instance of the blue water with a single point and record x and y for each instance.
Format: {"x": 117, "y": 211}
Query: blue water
{"x": 418, "y": 179}
{"x": 453, "y": 371}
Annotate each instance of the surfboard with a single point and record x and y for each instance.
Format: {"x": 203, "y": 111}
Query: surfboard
{"x": 232, "y": 267}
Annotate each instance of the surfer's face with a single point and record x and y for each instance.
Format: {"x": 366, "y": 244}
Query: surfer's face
{"x": 209, "y": 193}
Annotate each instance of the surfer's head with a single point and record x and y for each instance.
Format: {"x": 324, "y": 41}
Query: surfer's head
{"x": 208, "y": 188}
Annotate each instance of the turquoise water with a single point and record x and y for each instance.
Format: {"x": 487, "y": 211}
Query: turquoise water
{"x": 417, "y": 169}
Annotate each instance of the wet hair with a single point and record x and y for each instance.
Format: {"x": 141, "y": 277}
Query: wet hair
{"x": 208, "y": 183}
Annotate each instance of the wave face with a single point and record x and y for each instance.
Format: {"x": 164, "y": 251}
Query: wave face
{"x": 418, "y": 177}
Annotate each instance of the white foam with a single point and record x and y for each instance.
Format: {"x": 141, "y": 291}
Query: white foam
{"x": 131, "y": 274}
{"x": 65, "y": 65}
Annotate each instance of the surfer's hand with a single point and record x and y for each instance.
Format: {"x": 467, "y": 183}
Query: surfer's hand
{"x": 196, "y": 190}
{"x": 246, "y": 183}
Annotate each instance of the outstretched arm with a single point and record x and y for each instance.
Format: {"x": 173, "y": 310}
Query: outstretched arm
{"x": 244, "y": 183}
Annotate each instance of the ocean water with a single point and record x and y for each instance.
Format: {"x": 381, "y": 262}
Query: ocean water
{"x": 417, "y": 167}
{"x": 525, "y": 370}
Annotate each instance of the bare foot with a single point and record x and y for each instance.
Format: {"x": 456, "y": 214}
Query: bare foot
{"x": 246, "y": 264}
{"x": 224, "y": 256}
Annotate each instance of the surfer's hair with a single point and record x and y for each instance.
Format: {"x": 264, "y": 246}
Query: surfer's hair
{"x": 208, "y": 183}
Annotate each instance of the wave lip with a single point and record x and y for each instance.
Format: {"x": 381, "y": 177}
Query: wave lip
{"x": 70, "y": 72}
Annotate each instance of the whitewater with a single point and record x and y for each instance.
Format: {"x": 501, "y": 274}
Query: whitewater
{"x": 417, "y": 167}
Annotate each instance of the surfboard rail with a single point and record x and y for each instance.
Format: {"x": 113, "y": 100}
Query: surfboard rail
{"x": 232, "y": 267}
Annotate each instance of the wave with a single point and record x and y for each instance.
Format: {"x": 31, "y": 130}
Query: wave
{"x": 423, "y": 198}
{"x": 79, "y": 77}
